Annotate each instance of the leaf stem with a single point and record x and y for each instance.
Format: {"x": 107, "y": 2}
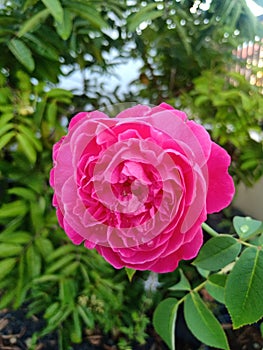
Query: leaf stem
{"x": 209, "y": 230}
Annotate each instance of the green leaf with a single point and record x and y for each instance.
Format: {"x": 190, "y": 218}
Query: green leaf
{"x": 86, "y": 316}
{"x": 52, "y": 310}
{"x": 23, "y": 192}
{"x": 5, "y": 118}
{"x": 6, "y": 266}
{"x": 183, "y": 284}
{"x": 58, "y": 93}
{"x": 33, "y": 261}
{"x": 67, "y": 291}
{"x": 5, "y": 128}
{"x": 204, "y": 273}
{"x": 65, "y": 27}
{"x": 42, "y": 48}
{"x": 243, "y": 294}
{"x": 87, "y": 12}
{"x": 19, "y": 237}
{"x": 164, "y": 320}
{"x": 60, "y": 263}
{"x": 22, "y": 53}
{"x": 8, "y": 249}
{"x": 21, "y": 284}
{"x": 33, "y": 22}
{"x": 57, "y": 319}
{"x": 44, "y": 246}
{"x": 36, "y": 214}
{"x": 13, "y": 209}
{"x": 216, "y": 287}
{"x": 31, "y": 137}
{"x": 46, "y": 278}
{"x": 76, "y": 329}
{"x": 217, "y": 252}
{"x": 55, "y": 9}
{"x": 202, "y": 323}
{"x": 70, "y": 270}
{"x": 4, "y": 140}
{"x": 61, "y": 251}
{"x": 27, "y": 147}
{"x": 130, "y": 273}
{"x": 52, "y": 111}
{"x": 246, "y": 227}
{"x": 144, "y": 14}
{"x": 7, "y": 298}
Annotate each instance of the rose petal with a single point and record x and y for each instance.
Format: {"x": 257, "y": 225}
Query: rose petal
{"x": 220, "y": 186}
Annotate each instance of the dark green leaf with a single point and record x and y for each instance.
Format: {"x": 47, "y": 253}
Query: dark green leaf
{"x": 61, "y": 251}
{"x": 244, "y": 293}
{"x": 216, "y": 287}
{"x": 217, "y": 252}
{"x": 202, "y": 323}
{"x": 42, "y": 48}
{"x": 87, "y": 12}
{"x": 22, "y": 53}
{"x": 33, "y": 261}
{"x": 60, "y": 263}
{"x": 164, "y": 320}
{"x": 33, "y": 22}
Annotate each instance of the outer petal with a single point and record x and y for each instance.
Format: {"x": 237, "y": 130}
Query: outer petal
{"x": 221, "y": 186}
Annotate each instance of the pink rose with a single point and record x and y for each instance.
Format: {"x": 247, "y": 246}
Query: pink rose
{"x": 138, "y": 187}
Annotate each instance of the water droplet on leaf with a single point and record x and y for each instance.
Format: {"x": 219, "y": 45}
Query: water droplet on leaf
{"x": 244, "y": 228}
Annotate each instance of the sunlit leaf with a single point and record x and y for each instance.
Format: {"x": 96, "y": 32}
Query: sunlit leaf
{"x": 13, "y": 209}
{"x": 55, "y": 9}
{"x": 130, "y": 273}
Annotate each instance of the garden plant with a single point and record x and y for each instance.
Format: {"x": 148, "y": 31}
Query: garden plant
{"x": 111, "y": 275}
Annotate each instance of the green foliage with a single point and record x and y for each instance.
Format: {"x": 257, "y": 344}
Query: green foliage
{"x": 236, "y": 284}
{"x": 164, "y": 320}
{"x": 232, "y": 109}
{"x": 203, "y": 323}
{"x": 187, "y": 55}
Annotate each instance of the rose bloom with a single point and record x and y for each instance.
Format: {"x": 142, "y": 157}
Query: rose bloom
{"x": 137, "y": 187}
